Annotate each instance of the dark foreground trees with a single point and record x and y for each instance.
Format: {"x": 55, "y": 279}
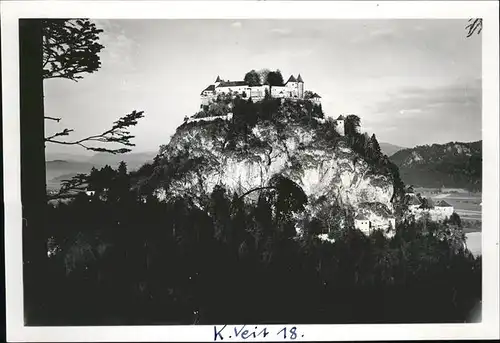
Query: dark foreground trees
{"x": 52, "y": 48}
{"x": 130, "y": 261}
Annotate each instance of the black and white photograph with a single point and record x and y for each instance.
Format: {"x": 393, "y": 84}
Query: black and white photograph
{"x": 239, "y": 172}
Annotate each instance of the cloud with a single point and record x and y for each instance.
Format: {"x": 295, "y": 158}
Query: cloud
{"x": 389, "y": 128}
{"x": 236, "y": 24}
{"x": 376, "y": 34}
{"x": 119, "y": 49}
{"x": 411, "y": 111}
{"x": 418, "y": 101}
{"x": 385, "y": 32}
{"x": 421, "y": 115}
{"x": 281, "y": 31}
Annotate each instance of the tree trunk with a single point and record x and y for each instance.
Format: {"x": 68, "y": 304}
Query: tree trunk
{"x": 33, "y": 184}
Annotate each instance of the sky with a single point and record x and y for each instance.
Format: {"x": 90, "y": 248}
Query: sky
{"x": 412, "y": 82}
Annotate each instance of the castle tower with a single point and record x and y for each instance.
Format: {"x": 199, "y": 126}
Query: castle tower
{"x": 217, "y": 81}
{"x": 340, "y": 125}
{"x": 300, "y": 83}
{"x": 291, "y": 87}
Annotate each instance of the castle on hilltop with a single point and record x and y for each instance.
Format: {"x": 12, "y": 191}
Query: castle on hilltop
{"x": 292, "y": 89}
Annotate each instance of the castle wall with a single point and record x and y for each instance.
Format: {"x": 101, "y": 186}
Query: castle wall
{"x": 362, "y": 225}
{"x": 227, "y": 90}
{"x": 301, "y": 90}
{"x": 436, "y": 213}
{"x": 258, "y": 92}
{"x": 280, "y": 92}
{"x": 289, "y": 90}
{"x": 340, "y": 127}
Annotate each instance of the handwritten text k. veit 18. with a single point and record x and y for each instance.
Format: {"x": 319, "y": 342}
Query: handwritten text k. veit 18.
{"x": 244, "y": 332}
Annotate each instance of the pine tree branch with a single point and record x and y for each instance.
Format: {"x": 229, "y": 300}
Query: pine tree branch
{"x": 70, "y": 47}
{"x": 64, "y": 132}
{"x": 76, "y": 183}
{"x": 116, "y": 134}
{"x": 52, "y": 118}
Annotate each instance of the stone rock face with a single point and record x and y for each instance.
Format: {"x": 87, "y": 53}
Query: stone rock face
{"x": 336, "y": 172}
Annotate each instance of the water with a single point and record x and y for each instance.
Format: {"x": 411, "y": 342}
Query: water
{"x": 474, "y": 242}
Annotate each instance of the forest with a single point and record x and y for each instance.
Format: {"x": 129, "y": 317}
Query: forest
{"x": 123, "y": 259}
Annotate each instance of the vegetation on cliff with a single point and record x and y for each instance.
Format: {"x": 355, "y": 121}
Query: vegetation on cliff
{"x": 289, "y": 118}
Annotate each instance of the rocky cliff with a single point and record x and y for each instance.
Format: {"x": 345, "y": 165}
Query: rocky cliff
{"x": 204, "y": 154}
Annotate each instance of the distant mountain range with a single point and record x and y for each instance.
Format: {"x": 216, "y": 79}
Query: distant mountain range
{"x": 452, "y": 165}
{"x": 60, "y": 167}
{"x": 389, "y": 149}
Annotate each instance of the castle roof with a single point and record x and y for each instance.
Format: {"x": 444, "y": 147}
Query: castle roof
{"x": 341, "y": 117}
{"x": 232, "y": 83}
{"x": 315, "y": 95}
{"x": 443, "y": 203}
{"x": 209, "y": 88}
{"x": 361, "y": 217}
{"x": 218, "y": 79}
{"x": 413, "y": 200}
{"x": 299, "y": 79}
{"x": 291, "y": 79}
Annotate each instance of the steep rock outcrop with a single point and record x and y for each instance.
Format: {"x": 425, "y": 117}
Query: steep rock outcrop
{"x": 200, "y": 156}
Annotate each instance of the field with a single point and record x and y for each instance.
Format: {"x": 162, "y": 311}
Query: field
{"x": 466, "y": 204}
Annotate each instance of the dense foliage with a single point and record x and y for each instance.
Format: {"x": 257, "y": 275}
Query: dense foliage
{"x": 452, "y": 165}
{"x": 369, "y": 148}
{"x": 126, "y": 259}
{"x": 252, "y": 78}
{"x": 70, "y": 47}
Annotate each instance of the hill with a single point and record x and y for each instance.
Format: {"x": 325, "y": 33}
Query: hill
{"x": 452, "y": 165}
{"x": 390, "y": 149}
{"x": 266, "y": 138}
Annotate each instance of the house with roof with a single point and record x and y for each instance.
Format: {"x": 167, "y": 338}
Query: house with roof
{"x": 439, "y": 210}
{"x": 373, "y": 216}
{"x": 292, "y": 89}
{"x": 362, "y": 223}
{"x": 315, "y": 98}
{"x": 340, "y": 127}
{"x": 443, "y": 208}
{"x": 413, "y": 202}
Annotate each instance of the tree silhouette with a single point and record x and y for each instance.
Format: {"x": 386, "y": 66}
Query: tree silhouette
{"x": 70, "y": 48}
{"x": 425, "y": 203}
{"x": 33, "y": 191}
{"x": 252, "y": 78}
{"x": 54, "y": 48}
{"x": 263, "y": 75}
{"x": 352, "y": 124}
{"x": 274, "y": 78}
{"x": 290, "y": 196}
{"x": 118, "y": 133}
{"x": 375, "y": 152}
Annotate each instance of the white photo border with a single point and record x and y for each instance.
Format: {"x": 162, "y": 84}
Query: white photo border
{"x": 11, "y": 11}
